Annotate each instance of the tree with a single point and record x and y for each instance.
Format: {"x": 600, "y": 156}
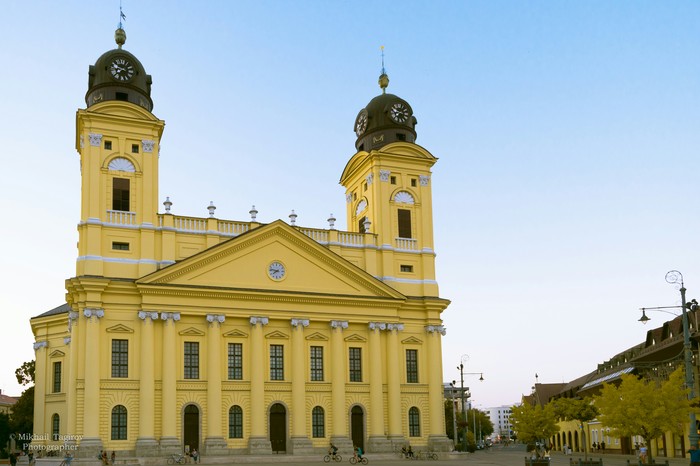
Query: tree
{"x": 449, "y": 424}
{"x": 4, "y": 434}
{"x": 534, "y": 423}
{"x": 22, "y": 419}
{"x": 645, "y": 408}
{"x": 25, "y": 373}
{"x": 579, "y": 410}
{"x": 484, "y": 426}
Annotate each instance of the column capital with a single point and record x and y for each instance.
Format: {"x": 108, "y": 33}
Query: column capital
{"x": 341, "y": 324}
{"x": 436, "y": 329}
{"x": 218, "y": 318}
{"x": 145, "y": 315}
{"x": 92, "y": 312}
{"x": 396, "y": 326}
{"x": 258, "y": 320}
{"x": 40, "y": 344}
{"x": 377, "y": 325}
{"x": 66, "y": 340}
{"x": 173, "y": 316}
{"x": 300, "y": 323}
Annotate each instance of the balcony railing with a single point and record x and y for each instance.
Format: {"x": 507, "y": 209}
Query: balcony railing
{"x": 407, "y": 244}
{"x": 120, "y": 217}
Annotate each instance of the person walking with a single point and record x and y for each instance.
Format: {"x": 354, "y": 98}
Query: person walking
{"x": 694, "y": 455}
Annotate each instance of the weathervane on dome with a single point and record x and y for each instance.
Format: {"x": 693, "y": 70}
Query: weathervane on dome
{"x": 383, "y": 78}
{"x": 122, "y": 16}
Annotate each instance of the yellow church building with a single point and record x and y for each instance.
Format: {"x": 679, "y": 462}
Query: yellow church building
{"x": 238, "y": 337}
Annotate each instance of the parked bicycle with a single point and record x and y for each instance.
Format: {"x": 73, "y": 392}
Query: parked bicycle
{"x": 332, "y": 457}
{"x": 176, "y": 458}
{"x": 66, "y": 461}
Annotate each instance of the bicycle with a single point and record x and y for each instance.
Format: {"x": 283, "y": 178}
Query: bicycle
{"x": 335, "y": 457}
{"x": 354, "y": 460}
{"x": 176, "y": 458}
{"x": 66, "y": 461}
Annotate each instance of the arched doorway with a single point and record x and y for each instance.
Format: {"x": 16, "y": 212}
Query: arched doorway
{"x": 357, "y": 427}
{"x": 278, "y": 428}
{"x": 191, "y": 427}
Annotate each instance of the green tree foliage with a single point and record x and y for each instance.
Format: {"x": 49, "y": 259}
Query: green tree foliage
{"x": 449, "y": 425}
{"x": 25, "y": 373}
{"x": 645, "y": 408}
{"x": 22, "y": 419}
{"x": 4, "y": 434}
{"x": 534, "y": 423}
{"x": 579, "y": 410}
{"x": 484, "y": 427}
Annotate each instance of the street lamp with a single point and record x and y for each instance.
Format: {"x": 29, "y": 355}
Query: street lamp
{"x": 462, "y": 374}
{"x": 454, "y": 414}
{"x": 674, "y": 277}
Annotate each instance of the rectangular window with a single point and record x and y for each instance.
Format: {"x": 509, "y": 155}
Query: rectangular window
{"x": 407, "y": 268}
{"x": 108, "y": 145}
{"x": 412, "y": 366}
{"x": 135, "y": 148}
{"x": 355, "y": 364}
{"x": 120, "y": 358}
{"x": 191, "y": 360}
{"x": 404, "y": 223}
{"x": 120, "y": 246}
{"x": 276, "y": 362}
{"x": 235, "y": 361}
{"x": 120, "y": 194}
{"x": 57, "y": 377}
{"x": 393, "y": 180}
{"x": 364, "y": 186}
{"x": 400, "y": 137}
{"x": 413, "y": 182}
{"x": 122, "y": 96}
{"x": 317, "y": 363}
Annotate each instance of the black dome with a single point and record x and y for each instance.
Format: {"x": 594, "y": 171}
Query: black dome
{"x": 119, "y": 75}
{"x": 387, "y": 118}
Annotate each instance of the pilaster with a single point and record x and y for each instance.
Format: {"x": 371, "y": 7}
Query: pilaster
{"x": 300, "y": 443}
{"x": 40, "y": 353}
{"x": 394, "y": 383}
{"x": 258, "y": 442}
{"x": 91, "y": 443}
{"x": 214, "y": 443}
{"x": 339, "y": 412}
{"x": 146, "y": 444}
{"x": 377, "y": 441}
{"x": 169, "y": 442}
{"x": 437, "y": 439}
{"x": 71, "y": 404}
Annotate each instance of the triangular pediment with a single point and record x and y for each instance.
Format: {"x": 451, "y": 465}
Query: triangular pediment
{"x": 276, "y": 334}
{"x": 317, "y": 337}
{"x": 119, "y": 328}
{"x": 355, "y": 337}
{"x": 244, "y": 263}
{"x": 235, "y": 334}
{"x": 57, "y": 354}
{"x": 412, "y": 341}
{"x": 191, "y": 331}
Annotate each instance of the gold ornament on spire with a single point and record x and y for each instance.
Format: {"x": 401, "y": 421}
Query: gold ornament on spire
{"x": 120, "y": 37}
{"x": 383, "y": 78}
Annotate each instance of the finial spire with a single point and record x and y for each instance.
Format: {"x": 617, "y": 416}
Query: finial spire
{"x": 383, "y": 78}
{"x": 120, "y": 34}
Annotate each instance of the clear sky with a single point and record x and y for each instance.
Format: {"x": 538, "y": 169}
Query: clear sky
{"x": 567, "y": 133}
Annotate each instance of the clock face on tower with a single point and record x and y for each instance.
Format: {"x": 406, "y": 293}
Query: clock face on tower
{"x": 399, "y": 112}
{"x": 121, "y": 69}
{"x": 361, "y": 123}
{"x": 276, "y": 270}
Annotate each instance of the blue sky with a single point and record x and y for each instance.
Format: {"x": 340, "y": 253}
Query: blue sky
{"x": 567, "y": 134}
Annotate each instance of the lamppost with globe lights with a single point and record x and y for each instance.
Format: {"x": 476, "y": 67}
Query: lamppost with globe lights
{"x": 674, "y": 277}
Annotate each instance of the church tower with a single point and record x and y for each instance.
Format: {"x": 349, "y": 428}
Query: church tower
{"x": 118, "y": 140}
{"x": 388, "y": 193}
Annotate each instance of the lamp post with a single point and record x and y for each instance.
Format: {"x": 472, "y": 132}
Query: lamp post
{"x": 674, "y": 277}
{"x": 461, "y": 376}
{"x": 454, "y": 415}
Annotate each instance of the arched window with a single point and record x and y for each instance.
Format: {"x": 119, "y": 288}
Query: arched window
{"x": 235, "y": 422}
{"x": 414, "y": 422}
{"x": 119, "y": 423}
{"x": 55, "y": 426}
{"x": 318, "y": 426}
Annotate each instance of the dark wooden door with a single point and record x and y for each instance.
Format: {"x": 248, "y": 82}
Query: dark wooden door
{"x": 357, "y": 422}
{"x": 191, "y": 427}
{"x": 278, "y": 428}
